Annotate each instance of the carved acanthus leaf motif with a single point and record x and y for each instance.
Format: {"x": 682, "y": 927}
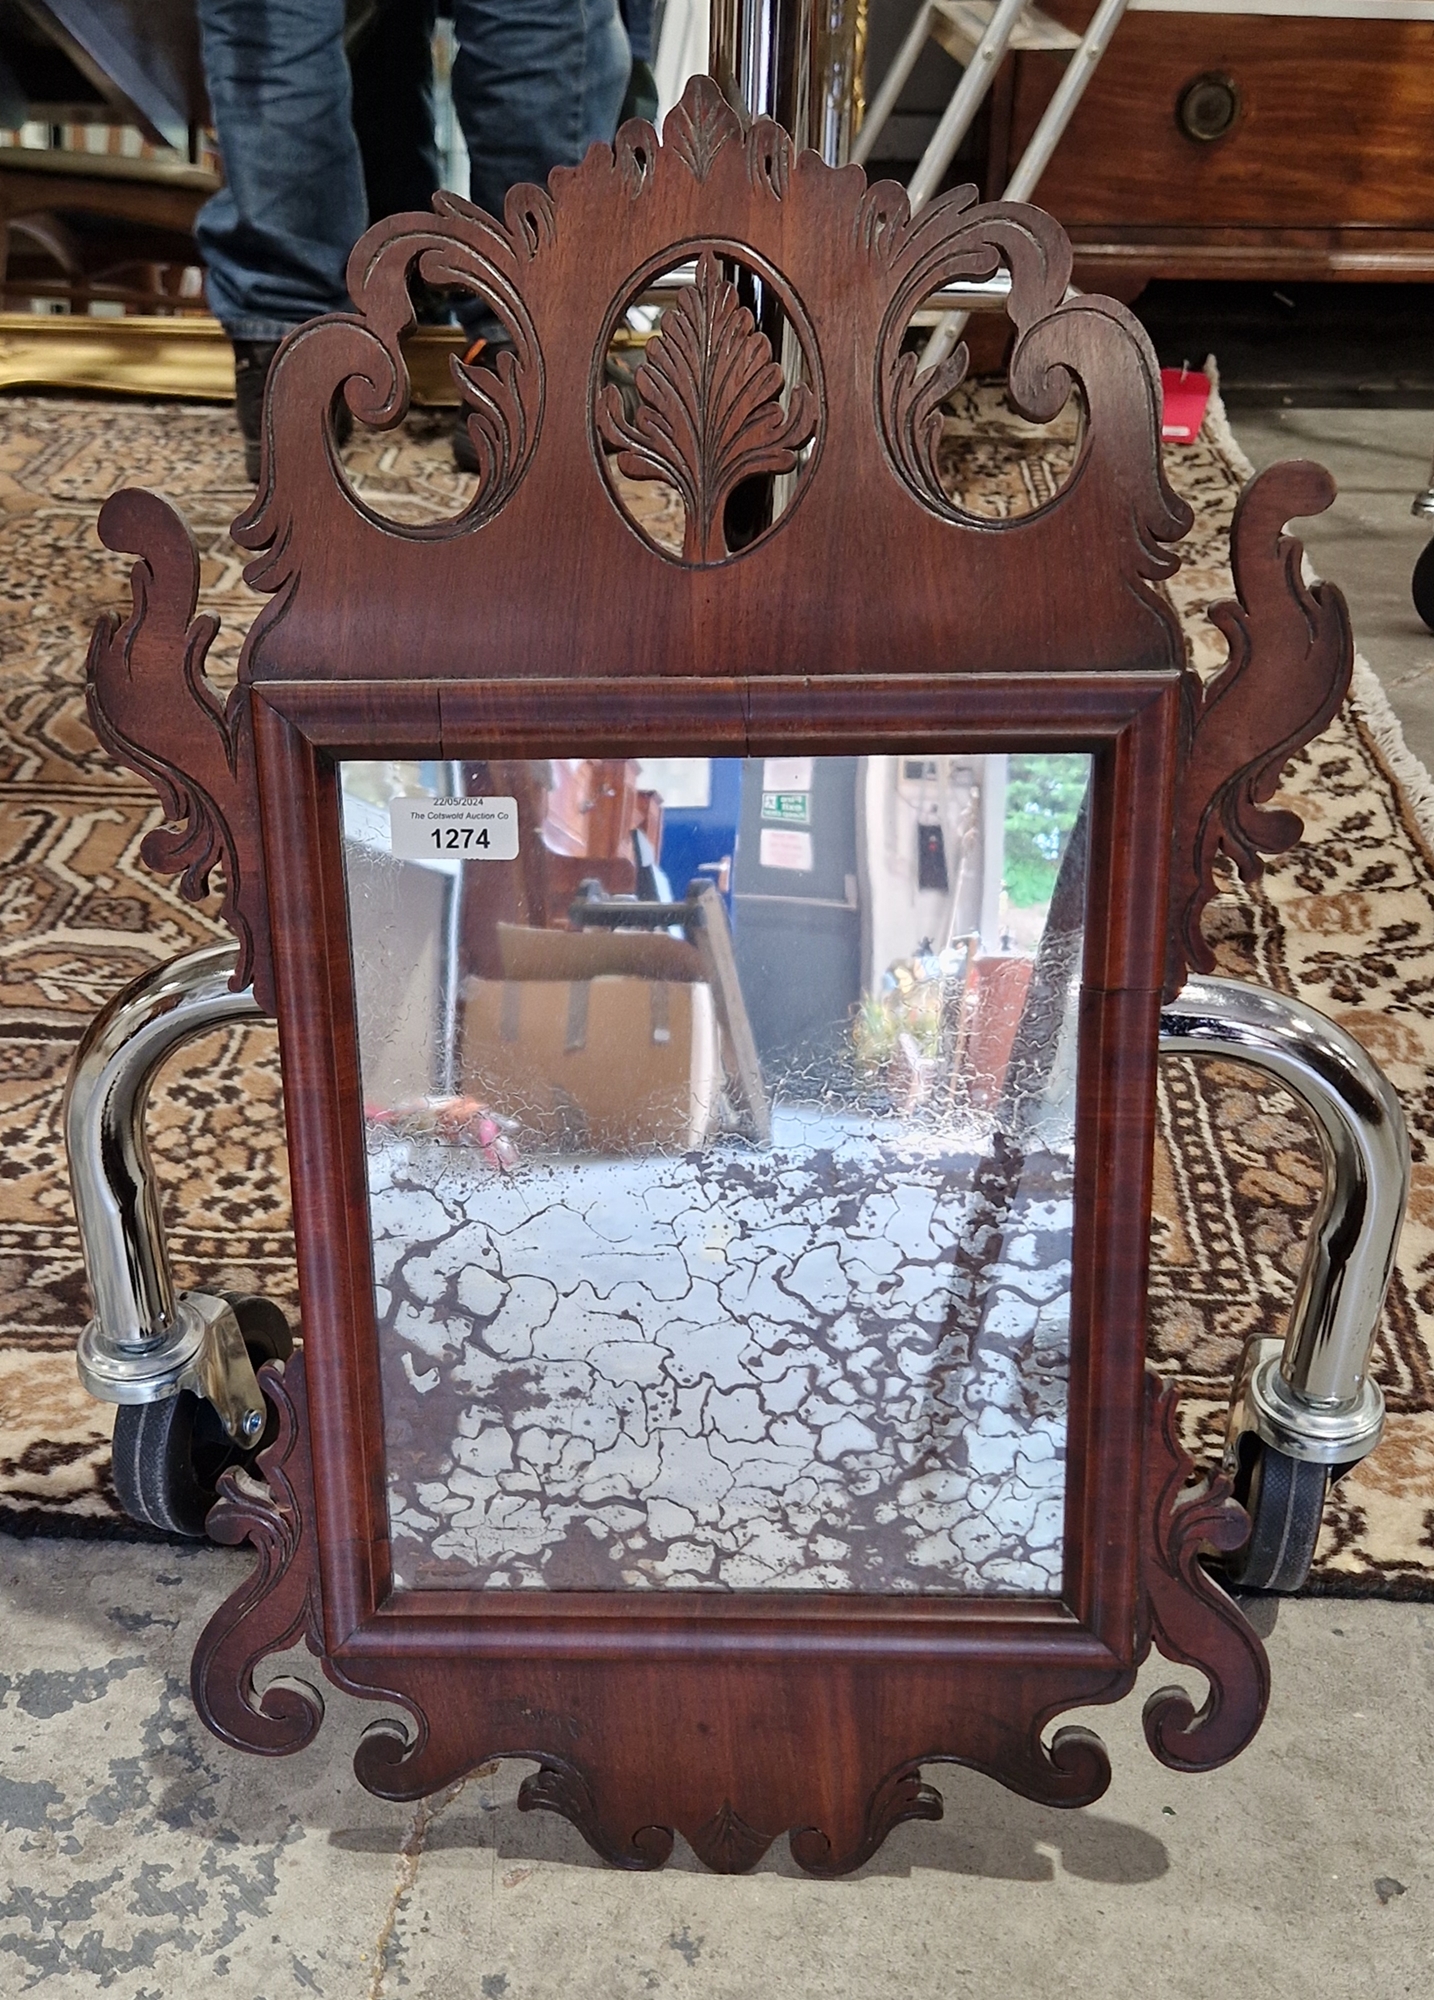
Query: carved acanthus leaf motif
{"x": 531, "y": 219}
{"x": 727, "y": 1844}
{"x": 278, "y": 1605}
{"x": 901, "y": 1795}
{"x": 949, "y": 239}
{"x": 881, "y": 220}
{"x": 1187, "y": 1616}
{"x": 560, "y": 1787}
{"x": 769, "y": 157}
{"x": 635, "y": 150}
{"x": 699, "y": 127}
{"x": 1291, "y": 656}
{"x": 710, "y": 411}
{"x": 147, "y": 691}
{"x": 912, "y": 407}
{"x": 362, "y": 357}
{"x": 498, "y": 425}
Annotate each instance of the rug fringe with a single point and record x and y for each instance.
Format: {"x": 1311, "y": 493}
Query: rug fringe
{"x": 1367, "y": 697}
{"x": 1217, "y": 425}
{"x": 1411, "y": 778}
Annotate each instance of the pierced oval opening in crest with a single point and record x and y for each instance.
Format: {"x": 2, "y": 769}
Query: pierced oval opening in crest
{"x": 707, "y": 402}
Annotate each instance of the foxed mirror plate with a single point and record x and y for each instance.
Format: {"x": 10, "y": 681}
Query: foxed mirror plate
{"x": 720, "y": 1125}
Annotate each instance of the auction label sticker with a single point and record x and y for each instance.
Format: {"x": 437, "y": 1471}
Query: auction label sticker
{"x": 454, "y": 829}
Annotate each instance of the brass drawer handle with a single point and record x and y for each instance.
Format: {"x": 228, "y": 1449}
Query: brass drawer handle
{"x": 1207, "y": 107}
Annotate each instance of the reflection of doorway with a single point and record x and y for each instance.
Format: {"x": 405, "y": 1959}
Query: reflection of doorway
{"x": 797, "y": 921}
{"x": 929, "y": 835}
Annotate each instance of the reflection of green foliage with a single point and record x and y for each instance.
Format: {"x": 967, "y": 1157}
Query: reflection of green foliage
{"x": 880, "y": 1020}
{"x": 1043, "y": 795}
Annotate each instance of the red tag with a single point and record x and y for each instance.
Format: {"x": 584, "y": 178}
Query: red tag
{"x": 1185, "y": 391}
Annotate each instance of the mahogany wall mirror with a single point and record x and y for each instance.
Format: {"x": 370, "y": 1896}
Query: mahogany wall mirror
{"x": 721, "y": 1174}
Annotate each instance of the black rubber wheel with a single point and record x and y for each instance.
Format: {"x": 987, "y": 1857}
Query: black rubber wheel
{"x": 1285, "y": 1501}
{"x": 168, "y": 1456}
{"x": 1422, "y": 588}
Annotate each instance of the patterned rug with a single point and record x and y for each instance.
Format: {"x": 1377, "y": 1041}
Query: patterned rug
{"x": 1347, "y": 921}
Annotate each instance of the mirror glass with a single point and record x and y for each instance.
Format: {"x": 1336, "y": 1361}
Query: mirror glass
{"x": 720, "y": 1141}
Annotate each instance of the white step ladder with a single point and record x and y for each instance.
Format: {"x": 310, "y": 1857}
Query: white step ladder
{"x": 976, "y": 34}
{"x": 979, "y": 33}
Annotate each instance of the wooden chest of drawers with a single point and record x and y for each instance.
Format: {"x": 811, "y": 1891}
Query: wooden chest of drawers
{"x": 1324, "y": 170}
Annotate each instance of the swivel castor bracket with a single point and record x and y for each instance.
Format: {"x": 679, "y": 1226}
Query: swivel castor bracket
{"x": 1305, "y": 1408}
{"x": 202, "y": 1350}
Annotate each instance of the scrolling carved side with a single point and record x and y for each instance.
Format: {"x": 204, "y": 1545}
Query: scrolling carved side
{"x": 1188, "y": 1617}
{"x": 278, "y": 1605}
{"x": 1291, "y": 655}
{"x": 153, "y": 709}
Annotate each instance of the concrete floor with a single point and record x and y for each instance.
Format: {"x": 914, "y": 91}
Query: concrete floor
{"x": 142, "y": 1859}
{"x": 1369, "y": 541}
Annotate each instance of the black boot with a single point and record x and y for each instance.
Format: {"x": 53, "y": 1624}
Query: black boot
{"x": 641, "y": 98}
{"x": 252, "y": 361}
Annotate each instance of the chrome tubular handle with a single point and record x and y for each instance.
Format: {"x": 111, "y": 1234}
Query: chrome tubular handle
{"x": 144, "y": 1343}
{"x": 1314, "y": 1400}
{"x": 111, "y": 1174}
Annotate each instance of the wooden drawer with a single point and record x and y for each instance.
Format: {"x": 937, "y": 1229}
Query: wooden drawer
{"x": 1335, "y": 127}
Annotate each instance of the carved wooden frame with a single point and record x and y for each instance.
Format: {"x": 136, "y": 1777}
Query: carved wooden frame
{"x": 730, "y": 1718}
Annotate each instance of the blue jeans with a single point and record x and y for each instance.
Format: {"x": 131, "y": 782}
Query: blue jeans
{"x": 534, "y": 84}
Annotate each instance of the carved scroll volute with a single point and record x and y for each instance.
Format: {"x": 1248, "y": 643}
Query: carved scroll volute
{"x": 558, "y": 1786}
{"x": 278, "y": 1604}
{"x": 1090, "y": 345}
{"x": 1187, "y": 1616}
{"x": 360, "y": 356}
{"x": 154, "y": 711}
{"x": 1291, "y": 655}
{"x": 901, "y": 1796}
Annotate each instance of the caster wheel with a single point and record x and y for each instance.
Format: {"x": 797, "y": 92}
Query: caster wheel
{"x": 1285, "y": 1501}
{"x": 168, "y": 1455}
{"x": 1422, "y": 588}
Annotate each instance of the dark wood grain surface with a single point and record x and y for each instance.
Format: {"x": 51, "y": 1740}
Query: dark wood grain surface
{"x": 872, "y": 616}
{"x": 1326, "y": 171}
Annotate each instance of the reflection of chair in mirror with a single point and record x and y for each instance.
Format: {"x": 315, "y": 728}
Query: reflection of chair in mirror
{"x": 581, "y": 816}
{"x": 581, "y": 1018}
{"x": 730, "y": 1484}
